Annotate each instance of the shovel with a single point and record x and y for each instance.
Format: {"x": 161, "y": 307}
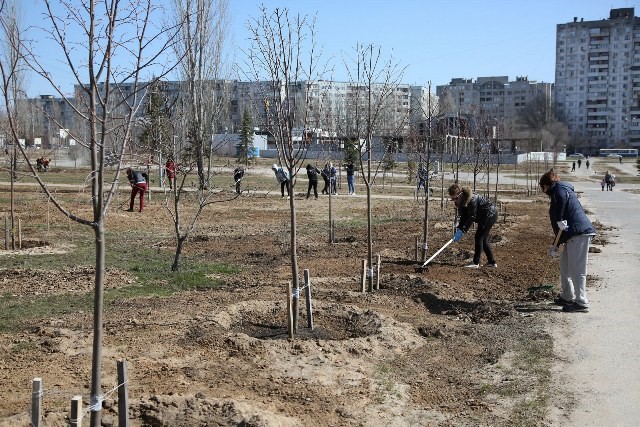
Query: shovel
{"x": 433, "y": 256}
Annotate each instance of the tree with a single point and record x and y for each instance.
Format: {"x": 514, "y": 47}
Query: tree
{"x": 118, "y": 48}
{"x": 13, "y": 78}
{"x": 374, "y": 81}
{"x": 538, "y": 113}
{"x": 351, "y": 154}
{"x": 202, "y": 46}
{"x": 280, "y": 55}
{"x": 155, "y": 132}
{"x": 245, "y": 147}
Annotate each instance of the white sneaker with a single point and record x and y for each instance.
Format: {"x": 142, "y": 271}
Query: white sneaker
{"x": 472, "y": 266}
{"x": 491, "y": 265}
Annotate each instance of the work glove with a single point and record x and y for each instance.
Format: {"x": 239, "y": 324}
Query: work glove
{"x": 554, "y": 251}
{"x": 458, "y": 235}
{"x": 562, "y": 225}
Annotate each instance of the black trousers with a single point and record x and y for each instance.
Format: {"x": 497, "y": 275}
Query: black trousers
{"x": 283, "y": 185}
{"x": 482, "y": 240}
{"x": 314, "y": 185}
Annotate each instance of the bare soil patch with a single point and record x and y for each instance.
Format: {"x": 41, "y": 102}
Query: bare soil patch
{"x": 433, "y": 348}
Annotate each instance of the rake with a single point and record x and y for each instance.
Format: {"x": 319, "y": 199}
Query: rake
{"x": 545, "y": 286}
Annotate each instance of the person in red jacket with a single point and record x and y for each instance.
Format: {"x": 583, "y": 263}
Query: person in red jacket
{"x": 138, "y": 181}
{"x": 170, "y": 172}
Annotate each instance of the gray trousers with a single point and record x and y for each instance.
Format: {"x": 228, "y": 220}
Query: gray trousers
{"x": 573, "y": 269}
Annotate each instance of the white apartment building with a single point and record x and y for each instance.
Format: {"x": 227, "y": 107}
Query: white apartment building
{"x": 597, "y": 80}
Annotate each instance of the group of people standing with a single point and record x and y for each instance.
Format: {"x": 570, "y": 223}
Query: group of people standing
{"x": 608, "y": 181}
{"x": 329, "y": 175}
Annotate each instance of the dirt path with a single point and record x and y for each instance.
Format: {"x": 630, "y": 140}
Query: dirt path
{"x": 598, "y": 353}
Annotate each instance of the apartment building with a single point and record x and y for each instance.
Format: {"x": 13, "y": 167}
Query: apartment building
{"x": 332, "y": 106}
{"x": 495, "y": 97}
{"x": 597, "y": 80}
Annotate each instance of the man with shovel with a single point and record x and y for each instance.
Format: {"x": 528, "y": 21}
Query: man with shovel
{"x": 472, "y": 208}
{"x": 575, "y": 231}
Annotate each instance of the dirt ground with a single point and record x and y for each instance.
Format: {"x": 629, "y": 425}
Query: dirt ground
{"x": 443, "y": 347}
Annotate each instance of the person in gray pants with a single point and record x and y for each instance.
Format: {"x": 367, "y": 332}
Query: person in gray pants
{"x": 576, "y": 231}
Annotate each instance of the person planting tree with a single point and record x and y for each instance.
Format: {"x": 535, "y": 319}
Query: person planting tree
{"x": 472, "y": 208}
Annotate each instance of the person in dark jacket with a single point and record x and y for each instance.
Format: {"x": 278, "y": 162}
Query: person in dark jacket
{"x": 333, "y": 179}
{"x": 472, "y": 208}
{"x": 576, "y": 231}
{"x": 312, "y": 174}
{"x": 423, "y": 181}
{"x": 238, "y": 173}
{"x": 138, "y": 181}
{"x": 325, "y": 177}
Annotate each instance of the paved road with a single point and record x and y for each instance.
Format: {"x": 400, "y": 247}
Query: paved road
{"x": 598, "y": 365}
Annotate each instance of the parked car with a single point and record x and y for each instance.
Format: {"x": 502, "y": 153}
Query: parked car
{"x": 616, "y": 156}
{"x": 577, "y": 155}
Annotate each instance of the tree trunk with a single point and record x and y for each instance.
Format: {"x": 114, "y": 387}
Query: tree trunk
{"x": 96, "y": 363}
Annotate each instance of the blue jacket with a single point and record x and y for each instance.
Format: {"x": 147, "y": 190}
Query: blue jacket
{"x": 565, "y": 206}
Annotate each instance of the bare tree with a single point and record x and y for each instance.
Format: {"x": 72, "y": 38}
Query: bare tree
{"x": 283, "y": 54}
{"x": 13, "y": 79}
{"x": 119, "y": 47}
{"x": 202, "y": 45}
{"x": 374, "y": 81}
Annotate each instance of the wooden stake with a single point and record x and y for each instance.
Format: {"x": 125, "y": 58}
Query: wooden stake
{"x": 19, "y": 233}
{"x": 363, "y": 276}
{"x": 289, "y": 311}
{"x": 36, "y": 402}
{"x": 75, "y": 418}
{"x": 6, "y": 232}
{"x": 307, "y": 288}
{"x": 377, "y": 271}
{"x": 296, "y": 309}
{"x": 123, "y": 394}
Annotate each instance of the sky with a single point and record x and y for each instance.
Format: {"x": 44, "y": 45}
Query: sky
{"x": 432, "y": 40}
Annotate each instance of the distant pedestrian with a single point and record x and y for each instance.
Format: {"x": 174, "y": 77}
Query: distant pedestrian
{"x": 607, "y": 180}
{"x": 351, "y": 178}
{"x": 170, "y": 172}
{"x": 579, "y": 163}
{"x": 333, "y": 177}
{"x": 573, "y": 167}
{"x": 138, "y": 181}
{"x": 587, "y": 164}
{"x": 603, "y": 183}
{"x": 570, "y": 223}
{"x": 325, "y": 177}
{"x": 238, "y": 174}
{"x": 423, "y": 180}
{"x": 283, "y": 178}
{"x": 620, "y": 159}
{"x": 312, "y": 174}
{"x": 472, "y": 208}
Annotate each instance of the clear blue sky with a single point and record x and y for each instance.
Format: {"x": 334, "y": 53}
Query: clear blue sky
{"x": 436, "y": 40}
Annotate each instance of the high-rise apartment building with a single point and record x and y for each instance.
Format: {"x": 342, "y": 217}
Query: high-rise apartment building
{"x": 597, "y": 83}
